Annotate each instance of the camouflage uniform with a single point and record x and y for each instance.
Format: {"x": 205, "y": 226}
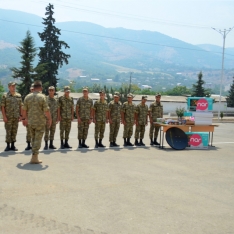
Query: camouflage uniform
{"x": 12, "y": 105}
{"x": 142, "y": 112}
{"x": 129, "y": 117}
{"x": 53, "y": 105}
{"x": 28, "y": 135}
{"x": 115, "y": 109}
{"x": 100, "y": 116}
{"x": 35, "y": 105}
{"x": 65, "y": 105}
{"x": 85, "y": 107}
{"x": 156, "y": 110}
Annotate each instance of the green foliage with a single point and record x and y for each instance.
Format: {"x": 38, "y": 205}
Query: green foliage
{"x": 178, "y": 91}
{"x": 221, "y": 115}
{"x": 230, "y": 97}
{"x": 51, "y": 54}
{"x": 26, "y": 73}
{"x": 180, "y": 111}
{"x": 198, "y": 90}
{"x": 1, "y": 90}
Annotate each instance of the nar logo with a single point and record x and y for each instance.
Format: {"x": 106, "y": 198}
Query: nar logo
{"x": 202, "y": 105}
{"x": 195, "y": 140}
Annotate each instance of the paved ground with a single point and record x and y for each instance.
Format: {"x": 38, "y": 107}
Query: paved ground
{"x": 112, "y": 191}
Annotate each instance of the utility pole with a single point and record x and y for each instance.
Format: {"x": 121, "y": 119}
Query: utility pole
{"x": 224, "y": 33}
{"x": 130, "y": 83}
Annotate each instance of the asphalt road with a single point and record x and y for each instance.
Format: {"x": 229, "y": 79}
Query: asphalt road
{"x": 126, "y": 190}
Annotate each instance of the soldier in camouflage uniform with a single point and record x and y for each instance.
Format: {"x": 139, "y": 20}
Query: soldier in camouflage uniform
{"x": 114, "y": 118}
{"x": 100, "y": 118}
{"x": 141, "y": 121}
{"x": 52, "y": 102}
{"x": 128, "y": 119}
{"x": 11, "y": 110}
{"x": 84, "y": 115}
{"x": 35, "y": 112}
{"x": 28, "y": 135}
{"x": 155, "y": 111}
{"x": 66, "y": 106}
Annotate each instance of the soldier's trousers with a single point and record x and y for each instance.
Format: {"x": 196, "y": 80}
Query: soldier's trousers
{"x": 28, "y": 135}
{"x": 83, "y": 128}
{"x": 49, "y": 132}
{"x": 11, "y": 129}
{"x": 65, "y": 127}
{"x": 114, "y": 129}
{"x": 37, "y": 134}
{"x": 139, "y": 131}
{"x": 99, "y": 129}
{"x": 153, "y": 133}
{"x": 128, "y": 130}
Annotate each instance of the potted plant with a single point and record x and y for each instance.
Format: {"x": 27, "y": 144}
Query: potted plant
{"x": 180, "y": 113}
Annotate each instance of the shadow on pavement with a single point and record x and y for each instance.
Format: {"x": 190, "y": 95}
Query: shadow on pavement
{"x": 31, "y": 167}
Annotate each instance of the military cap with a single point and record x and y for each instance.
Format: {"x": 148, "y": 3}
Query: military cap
{"x": 158, "y": 94}
{"x": 37, "y": 83}
{"x": 144, "y": 97}
{"x": 67, "y": 89}
{"x": 130, "y": 95}
{"x": 11, "y": 83}
{"x": 101, "y": 91}
{"x": 51, "y": 87}
{"x": 116, "y": 94}
{"x": 85, "y": 88}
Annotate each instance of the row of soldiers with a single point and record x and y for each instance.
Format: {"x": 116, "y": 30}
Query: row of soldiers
{"x": 42, "y": 113}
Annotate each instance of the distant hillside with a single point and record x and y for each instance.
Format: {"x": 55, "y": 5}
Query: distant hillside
{"x": 94, "y": 47}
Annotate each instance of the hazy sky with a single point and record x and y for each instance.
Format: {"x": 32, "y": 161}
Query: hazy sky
{"x": 187, "y": 20}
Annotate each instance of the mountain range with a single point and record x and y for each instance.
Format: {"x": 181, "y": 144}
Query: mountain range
{"x": 98, "y": 48}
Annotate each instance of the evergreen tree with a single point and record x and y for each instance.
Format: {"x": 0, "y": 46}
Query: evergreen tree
{"x": 26, "y": 73}
{"x": 51, "y": 53}
{"x": 230, "y": 97}
{"x": 198, "y": 90}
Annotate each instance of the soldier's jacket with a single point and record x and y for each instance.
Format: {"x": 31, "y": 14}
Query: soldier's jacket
{"x": 115, "y": 110}
{"x": 85, "y": 106}
{"x": 142, "y": 111}
{"x": 66, "y": 105}
{"x": 53, "y": 105}
{"x": 129, "y": 112}
{"x": 100, "y": 110}
{"x": 157, "y": 110}
{"x": 12, "y": 104}
{"x": 36, "y": 105}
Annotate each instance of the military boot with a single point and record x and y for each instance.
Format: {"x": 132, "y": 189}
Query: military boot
{"x": 66, "y": 145}
{"x": 141, "y": 143}
{"x": 29, "y": 146}
{"x": 155, "y": 142}
{"x": 35, "y": 160}
{"x": 100, "y": 144}
{"x": 80, "y": 144}
{"x": 46, "y": 145}
{"x": 129, "y": 143}
{"x": 13, "y": 148}
{"x": 125, "y": 142}
{"x": 51, "y": 146}
{"x": 116, "y": 145}
{"x": 151, "y": 141}
{"x": 136, "y": 142}
{"x": 84, "y": 145}
{"x": 111, "y": 144}
{"x": 8, "y": 148}
{"x": 96, "y": 143}
{"x": 62, "y": 145}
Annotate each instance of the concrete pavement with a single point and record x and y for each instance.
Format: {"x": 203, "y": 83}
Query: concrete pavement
{"x": 127, "y": 190}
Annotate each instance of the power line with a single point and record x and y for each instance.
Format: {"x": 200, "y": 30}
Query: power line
{"x": 119, "y": 39}
{"x": 129, "y": 16}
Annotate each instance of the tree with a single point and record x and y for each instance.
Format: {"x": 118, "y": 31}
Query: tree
{"x": 1, "y": 90}
{"x": 51, "y": 53}
{"x": 178, "y": 91}
{"x": 230, "y": 97}
{"x": 26, "y": 73}
{"x": 198, "y": 90}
